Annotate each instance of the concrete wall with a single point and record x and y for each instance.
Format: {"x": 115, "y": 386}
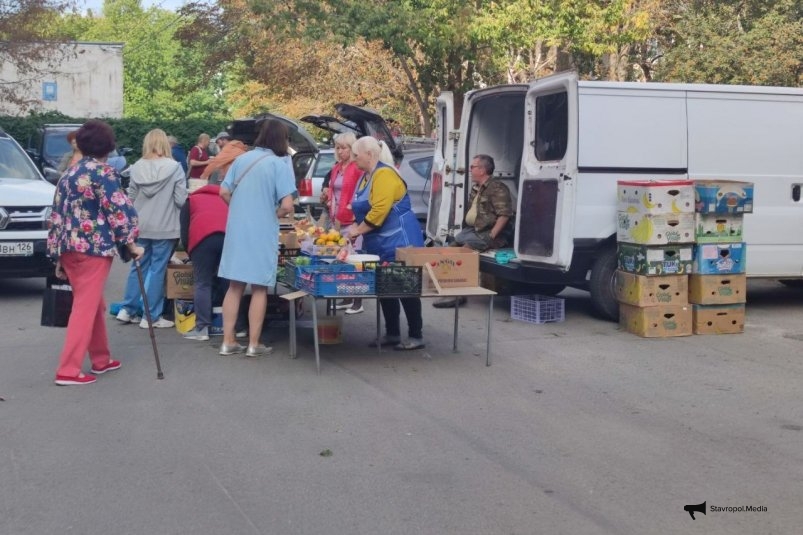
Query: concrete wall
{"x": 87, "y": 82}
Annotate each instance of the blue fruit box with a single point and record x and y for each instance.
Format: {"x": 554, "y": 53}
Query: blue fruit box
{"x": 723, "y": 197}
{"x": 719, "y": 258}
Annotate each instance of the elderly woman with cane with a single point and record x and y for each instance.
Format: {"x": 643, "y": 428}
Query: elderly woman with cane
{"x": 91, "y": 219}
{"x": 384, "y": 218}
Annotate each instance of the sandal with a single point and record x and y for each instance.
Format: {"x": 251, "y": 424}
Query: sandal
{"x": 410, "y": 345}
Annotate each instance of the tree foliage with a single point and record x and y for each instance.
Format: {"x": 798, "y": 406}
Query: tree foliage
{"x": 735, "y": 42}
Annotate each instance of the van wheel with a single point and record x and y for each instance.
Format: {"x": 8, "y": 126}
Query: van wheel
{"x": 602, "y": 286}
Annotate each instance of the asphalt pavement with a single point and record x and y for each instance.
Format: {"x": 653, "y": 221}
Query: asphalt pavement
{"x": 576, "y": 428}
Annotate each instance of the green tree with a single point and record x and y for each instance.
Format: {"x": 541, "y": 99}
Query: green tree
{"x": 162, "y": 79}
{"x": 735, "y": 42}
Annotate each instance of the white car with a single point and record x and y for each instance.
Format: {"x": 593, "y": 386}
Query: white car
{"x": 26, "y": 200}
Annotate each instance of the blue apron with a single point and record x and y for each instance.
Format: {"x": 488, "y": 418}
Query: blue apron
{"x": 400, "y": 229}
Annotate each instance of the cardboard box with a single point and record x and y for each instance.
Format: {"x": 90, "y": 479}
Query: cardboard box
{"x": 289, "y": 239}
{"x": 645, "y": 291}
{"x": 656, "y": 197}
{"x": 179, "y": 282}
{"x": 718, "y": 289}
{"x": 719, "y": 258}
{"x": 648, "y": 229}
{"x": 718, "y": 228}
{"x": 184, "y": 315}
{"x": 718, "y": 319}
{"x": 654, "y": 260}
{"x": 723, "y": 197}
{"x": 656, "y": 322}
{"x": 455, "y": 267}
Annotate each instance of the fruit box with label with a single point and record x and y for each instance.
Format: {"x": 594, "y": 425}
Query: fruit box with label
{"x": 179, "y": 281}
{"x": 718, "y": 289}
{"x": 646, "y": 229}
{"x": 652, "y": 291}
{"x": 656, "y": 322}
{"x": 718, "y": 228}
{"x": 454, "y": 267}
{"x": 723, "y": 197}
{"x": 719, "y": 258}
{"x": 656, "y": 197}
{"x": 653, "y": 260}
{"x": 718, "y": 319}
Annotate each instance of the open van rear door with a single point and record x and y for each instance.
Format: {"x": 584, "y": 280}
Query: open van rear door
{"x": 545, "y": 211}
{"x": 443, "y": 170}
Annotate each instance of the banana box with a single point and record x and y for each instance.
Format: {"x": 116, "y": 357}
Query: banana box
{"x": 718, "y": 228}
{"x": 719, "y": 258}
{"x": 718, "y": 289}
{"x": 651, "y": 291}
{"x": 647, "y": 229}
{"x": 654, "y": 260}
{"x": 723, "y": 197}
{"x": 655, "y": 197}
{"x": 718, "y": 319}
{"x": 656, "y": 322}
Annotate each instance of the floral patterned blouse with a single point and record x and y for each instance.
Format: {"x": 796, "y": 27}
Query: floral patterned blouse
{"x": 91, "y": 214}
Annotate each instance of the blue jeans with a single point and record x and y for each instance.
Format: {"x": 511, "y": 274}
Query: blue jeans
{"x": 154, "y": 266}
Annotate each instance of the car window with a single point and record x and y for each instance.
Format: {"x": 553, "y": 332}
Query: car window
{"x": 14, "y": 163}
{"x": 324, "y": 164}
{"x": 422, "y": 166}
{"x": 56, "y": 145}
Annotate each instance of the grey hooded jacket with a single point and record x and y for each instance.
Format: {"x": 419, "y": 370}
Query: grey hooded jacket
{"x": 158, "y": 190}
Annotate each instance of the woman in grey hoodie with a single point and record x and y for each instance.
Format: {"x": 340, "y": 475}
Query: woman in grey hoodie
{"x": 158, "y": 191}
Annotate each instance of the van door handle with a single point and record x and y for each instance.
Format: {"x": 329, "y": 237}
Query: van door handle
{"x": 796, "y": 193}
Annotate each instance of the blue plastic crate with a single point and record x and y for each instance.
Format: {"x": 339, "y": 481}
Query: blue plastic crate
{"x": 290, "y": 272}
{"x": 337, "y": 283}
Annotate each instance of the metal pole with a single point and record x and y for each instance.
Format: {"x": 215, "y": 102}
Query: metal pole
{"x": 488, "y": 341}
{"x": 315, "y": 333}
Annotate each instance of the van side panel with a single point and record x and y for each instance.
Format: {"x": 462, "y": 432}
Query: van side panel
{"x": 756, "y": 138}
{"x": 631, "y": 129}
{"x": 633, "y": 134}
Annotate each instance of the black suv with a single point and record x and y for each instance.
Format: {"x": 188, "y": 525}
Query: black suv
{"x": 48, "y": 146}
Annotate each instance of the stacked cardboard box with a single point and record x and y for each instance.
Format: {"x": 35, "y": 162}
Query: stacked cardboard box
{"x": 718, "y": 284}
{"x": 655, "y": 231}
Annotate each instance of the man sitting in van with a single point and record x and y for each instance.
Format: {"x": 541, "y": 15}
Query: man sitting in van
{"x": 488, "y": 223}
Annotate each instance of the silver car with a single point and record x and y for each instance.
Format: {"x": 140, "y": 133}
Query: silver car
{"x": 415, "y": 169}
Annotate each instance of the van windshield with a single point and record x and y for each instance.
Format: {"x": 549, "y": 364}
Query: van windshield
{"x": 551, "y": 126}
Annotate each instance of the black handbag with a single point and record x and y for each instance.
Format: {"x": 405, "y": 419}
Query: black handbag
{"x": 56, "y": 303}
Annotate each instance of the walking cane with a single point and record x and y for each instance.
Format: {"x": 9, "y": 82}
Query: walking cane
{"x": 159, "y": 373}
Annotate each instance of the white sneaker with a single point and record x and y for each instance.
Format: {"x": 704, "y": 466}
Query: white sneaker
{"x": 201, "y": 334}
{"x": 124, "y": 317}
{"x": 161, "y": 323}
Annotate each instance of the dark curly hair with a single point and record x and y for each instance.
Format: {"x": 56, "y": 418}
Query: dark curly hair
{"x": 95, "y": 139}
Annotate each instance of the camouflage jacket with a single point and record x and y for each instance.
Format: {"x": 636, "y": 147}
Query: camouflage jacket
{"x": 494, "y": 201}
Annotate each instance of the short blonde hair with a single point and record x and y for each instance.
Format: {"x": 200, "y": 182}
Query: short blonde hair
{"x": 345, "y": 139}
{"x": 203, "y": 137}
{"x": 156, "y": 144}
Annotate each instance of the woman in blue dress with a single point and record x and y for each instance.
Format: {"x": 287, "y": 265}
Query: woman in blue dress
{"x": 384, "y": 218}
{"x": 259, "y": 188}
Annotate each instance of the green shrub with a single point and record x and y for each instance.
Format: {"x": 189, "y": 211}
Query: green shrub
{"x": 129, "y": 132}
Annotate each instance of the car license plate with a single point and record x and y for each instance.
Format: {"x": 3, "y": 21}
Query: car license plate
{"x": 16, "y": 248}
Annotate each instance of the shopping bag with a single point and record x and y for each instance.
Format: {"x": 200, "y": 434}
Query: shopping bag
{"x": 56, "y": 303}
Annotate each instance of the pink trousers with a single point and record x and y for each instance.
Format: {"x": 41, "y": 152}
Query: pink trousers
{"x": 86, "y": 330}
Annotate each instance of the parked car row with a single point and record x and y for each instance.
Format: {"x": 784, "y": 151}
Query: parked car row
{"x": 313, "y": 161}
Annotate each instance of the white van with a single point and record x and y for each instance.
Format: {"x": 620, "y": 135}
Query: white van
{"x": 561, "y": 144}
